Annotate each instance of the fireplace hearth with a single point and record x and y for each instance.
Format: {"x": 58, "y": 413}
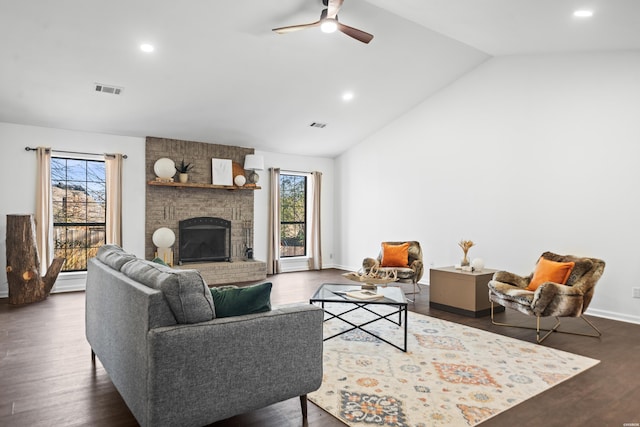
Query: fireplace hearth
{"x": 204, "y": 239}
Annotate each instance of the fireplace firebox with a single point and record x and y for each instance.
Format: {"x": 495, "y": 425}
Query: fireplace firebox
{"x": 204, "y": 239}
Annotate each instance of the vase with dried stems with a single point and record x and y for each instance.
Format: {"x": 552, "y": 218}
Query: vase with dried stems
{"x": 465, "y": 245}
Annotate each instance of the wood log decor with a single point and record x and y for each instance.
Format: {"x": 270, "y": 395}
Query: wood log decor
{"x": 23, "y": 263}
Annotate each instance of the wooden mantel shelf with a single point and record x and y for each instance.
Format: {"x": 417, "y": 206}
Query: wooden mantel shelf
{"x": 205, "y": 186}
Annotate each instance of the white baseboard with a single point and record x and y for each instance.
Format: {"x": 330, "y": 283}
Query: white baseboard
{"x": 70, "y": 282}
{"x": 289, "y": 265}
{"x": 613, "y": 316}
{"x": 341, "y": 267}
{"x": 66, "y": 282}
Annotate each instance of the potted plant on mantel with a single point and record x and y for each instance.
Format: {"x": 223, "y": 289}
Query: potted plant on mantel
{"x": 183, "y": 171}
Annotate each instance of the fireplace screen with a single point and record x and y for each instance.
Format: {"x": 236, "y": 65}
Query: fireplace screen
{"x": 204, "y": 239}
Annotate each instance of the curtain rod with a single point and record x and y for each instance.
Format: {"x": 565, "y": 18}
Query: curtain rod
{"x": 124, "y": 156}
{"x": 289, "y": 170}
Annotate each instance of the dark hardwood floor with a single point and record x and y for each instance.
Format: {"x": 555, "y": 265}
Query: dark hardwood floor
{"x": 47, "y": 379}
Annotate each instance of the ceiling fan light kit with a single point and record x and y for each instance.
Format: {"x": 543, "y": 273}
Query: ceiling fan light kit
{"x": 329, "y": 23}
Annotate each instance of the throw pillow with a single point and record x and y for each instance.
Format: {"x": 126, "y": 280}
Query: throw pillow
{"x": 550, "y": 271}
{"x": 159, "y": 261}
{"x": 395, "y": 255}
{"x": 233, "y": 301}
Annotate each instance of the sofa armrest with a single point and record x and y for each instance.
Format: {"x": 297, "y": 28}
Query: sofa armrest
{"x": 119, "y": 313}
{"x": 511, "y": 279}
{"x": 216, "y": 369}
{"x": 555, "y": 299}
{"x": 417, "y": 266}
{"x": 369, "y": 263}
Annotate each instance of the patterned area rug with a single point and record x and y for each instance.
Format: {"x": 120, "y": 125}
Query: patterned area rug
{"x": 451, "y": 375}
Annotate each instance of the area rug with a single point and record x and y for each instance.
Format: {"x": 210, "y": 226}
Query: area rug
{"x": 451, "y": 375}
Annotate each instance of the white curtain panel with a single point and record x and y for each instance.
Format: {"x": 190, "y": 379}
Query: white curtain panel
{"x": 273, "y": 252}
{"x": 44, "y": 215}
{"x": 315, "y": 247}
{"x": 114, "y": 198}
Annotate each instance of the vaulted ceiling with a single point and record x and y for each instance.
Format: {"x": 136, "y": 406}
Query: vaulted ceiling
{"x": 219, "y": 74}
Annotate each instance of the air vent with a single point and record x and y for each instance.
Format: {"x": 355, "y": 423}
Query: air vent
{"x": 318, "y": 125}
{"x": 114, "y": 90}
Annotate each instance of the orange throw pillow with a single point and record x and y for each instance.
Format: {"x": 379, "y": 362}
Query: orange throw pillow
{"x": 395, "y": 255}
{"x": 550, "y": 271}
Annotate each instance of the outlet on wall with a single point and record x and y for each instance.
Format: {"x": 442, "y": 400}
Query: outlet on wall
{"x": 635, "y": 292}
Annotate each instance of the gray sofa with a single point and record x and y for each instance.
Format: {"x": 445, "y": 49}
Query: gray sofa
{"x": 154, "y": 330}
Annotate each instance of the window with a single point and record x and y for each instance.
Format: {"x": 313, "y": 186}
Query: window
{"x": 79, "y": 210}
{"x": 293, "y": 215}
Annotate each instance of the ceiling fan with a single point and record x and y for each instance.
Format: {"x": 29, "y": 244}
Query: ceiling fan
{"x": 328, "y": 23}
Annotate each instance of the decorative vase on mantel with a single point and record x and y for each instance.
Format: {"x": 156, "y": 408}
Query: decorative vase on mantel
{"x": 183, "y": 177}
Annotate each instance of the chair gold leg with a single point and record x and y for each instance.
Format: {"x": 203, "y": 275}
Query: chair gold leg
{"x": 598, "y": 334}
{"x": 415, "y": 286}
{"x": 548, "y": 331}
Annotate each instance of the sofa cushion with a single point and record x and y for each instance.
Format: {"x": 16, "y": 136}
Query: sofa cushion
{"x": 114, "y": 256}
{"x": 234, "y": 301}
{"x": 185, "y": 290}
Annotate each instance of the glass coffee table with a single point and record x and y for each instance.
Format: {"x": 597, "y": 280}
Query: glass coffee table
{"x": 391, "y": 297}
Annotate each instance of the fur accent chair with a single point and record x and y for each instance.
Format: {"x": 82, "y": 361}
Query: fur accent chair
{"x": 411, "y": 274}
{"x": 549, "y": 299}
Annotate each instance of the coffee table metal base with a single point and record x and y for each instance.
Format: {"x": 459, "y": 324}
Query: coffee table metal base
{"x": 400, "y": 311}
{"x": 391, "y": 297}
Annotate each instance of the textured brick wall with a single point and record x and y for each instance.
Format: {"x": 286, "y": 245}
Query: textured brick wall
{"x": 220, "y": 273}
{"x": 165, "y": 206}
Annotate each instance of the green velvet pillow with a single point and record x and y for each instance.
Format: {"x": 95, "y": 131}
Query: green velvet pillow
{"x": 159, "y": 261}
{"x": 233, "y": 301}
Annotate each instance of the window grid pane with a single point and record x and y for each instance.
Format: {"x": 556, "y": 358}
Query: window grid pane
{"x": 293, "y": 214}
{"x": 79, "y": 210}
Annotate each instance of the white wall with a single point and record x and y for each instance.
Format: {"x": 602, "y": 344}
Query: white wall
{"x": 18, "y": 177}
{"x": 261, "y": 203}
{"x": 524, "y": 154}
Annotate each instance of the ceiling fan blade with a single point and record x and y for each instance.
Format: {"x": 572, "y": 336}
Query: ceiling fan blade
{"x": 292, "y": 28}
{"x": 359, "y": 35}
{"x": 333, "y": 6}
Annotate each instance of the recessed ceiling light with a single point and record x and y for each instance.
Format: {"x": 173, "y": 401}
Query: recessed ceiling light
{"x": 583, "y": 13}
{"x": 347, "y": 96}
{"x": 146, "y": 47}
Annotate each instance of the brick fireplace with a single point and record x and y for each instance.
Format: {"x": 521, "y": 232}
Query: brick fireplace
{"x": 167, "y": 206}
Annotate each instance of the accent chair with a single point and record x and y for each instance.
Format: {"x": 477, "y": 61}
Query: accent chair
{"x": 410, "y": 272}
{"x": 537, "y": 296}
